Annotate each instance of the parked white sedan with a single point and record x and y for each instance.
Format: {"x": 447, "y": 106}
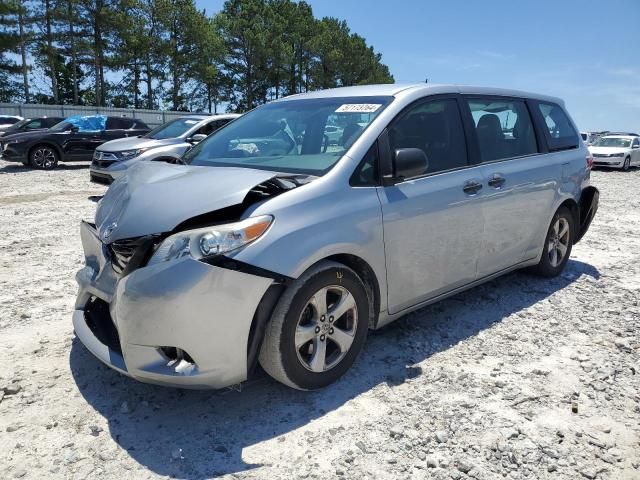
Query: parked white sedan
{"x": 619, "y": 151}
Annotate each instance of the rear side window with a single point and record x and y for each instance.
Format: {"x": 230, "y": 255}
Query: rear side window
{"x": 123, "y": 123}
{"x": 559, "y": 132}
{"x": 435, "y": 127}
{"x": 207, "y": 129}
{"x": 503, "y": 127}
{"x": 115, "y": 123}
{"x": 222, "y": 123}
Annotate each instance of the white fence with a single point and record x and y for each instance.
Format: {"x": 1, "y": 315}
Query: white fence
{"x": 32, "y": 110}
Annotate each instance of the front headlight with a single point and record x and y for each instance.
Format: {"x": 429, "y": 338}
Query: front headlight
{"x": 211, "y": 241}
{"x": 616, "y": 155}
{"x": 129, "y": 154}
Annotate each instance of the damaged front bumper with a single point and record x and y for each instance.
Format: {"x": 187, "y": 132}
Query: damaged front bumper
{"x": 181, "y": 323}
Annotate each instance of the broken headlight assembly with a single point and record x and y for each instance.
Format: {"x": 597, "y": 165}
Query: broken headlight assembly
{"x": 211, "y": 241}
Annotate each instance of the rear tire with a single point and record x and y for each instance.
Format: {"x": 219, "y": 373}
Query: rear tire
{"x": 43, "y": 157}
{"x": 305, "y": 346}
{"x": 557, "y": 244}
{"x": 626, "y": 164}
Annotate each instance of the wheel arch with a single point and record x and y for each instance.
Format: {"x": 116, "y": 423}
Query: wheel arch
{"x": 368, "y": 277}
{"x": 45, "y": 144}
{"x": 271, "y": 297}
{"x": 573, "y": 207}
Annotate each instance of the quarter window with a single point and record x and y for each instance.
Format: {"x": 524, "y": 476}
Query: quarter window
{"x": 503, "y": 128}
{"x": 560, "y": 133}
{"x": 367, "y": 172}
{"x": 435, "y": 127}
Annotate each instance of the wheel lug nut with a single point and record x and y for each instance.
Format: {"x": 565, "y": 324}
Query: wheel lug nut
{"x": 331, "y": 331}
{"x": 322, "y": 338}
{"x": 322, "y": 318}
{"x": 317, "y": 329}
{"x": 331, "y": 319}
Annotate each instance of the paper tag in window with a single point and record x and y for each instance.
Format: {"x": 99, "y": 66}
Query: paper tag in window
{"x": 358, "y": 107}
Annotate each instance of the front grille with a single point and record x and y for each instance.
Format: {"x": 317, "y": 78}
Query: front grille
{"x": 129, "y": 254}
{"x": 102, "y": 163}
{"x": 601, "y": 155}
{"x": 121, "y": 253}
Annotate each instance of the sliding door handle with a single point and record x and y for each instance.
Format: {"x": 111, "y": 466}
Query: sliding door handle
{"x": 497, "y": 181}
{"x": 471, "y": 187}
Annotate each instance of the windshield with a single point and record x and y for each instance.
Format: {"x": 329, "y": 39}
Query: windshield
{"x": 291, "y": 136}
{"x": 613, "y": 142}
{"x": 172, "y": 129}
{"x": 62, "y": 126}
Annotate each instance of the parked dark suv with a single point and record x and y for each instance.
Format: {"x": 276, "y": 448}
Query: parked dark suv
{"x": 30, "y": 125}
{"x": 71, "y": 140}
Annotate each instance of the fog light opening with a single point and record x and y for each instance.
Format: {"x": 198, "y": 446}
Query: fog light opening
{"x": 179, "y": 360}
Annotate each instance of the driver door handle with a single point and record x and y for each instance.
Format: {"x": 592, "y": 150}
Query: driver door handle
{"x": 497, "y": 181}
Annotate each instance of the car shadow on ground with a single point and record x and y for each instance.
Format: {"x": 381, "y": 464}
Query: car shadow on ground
{"x": 62, "y": 167}
{"x": 194, "y": 434}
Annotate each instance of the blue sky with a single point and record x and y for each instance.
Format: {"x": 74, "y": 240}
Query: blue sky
{"x": 586, "y": 52}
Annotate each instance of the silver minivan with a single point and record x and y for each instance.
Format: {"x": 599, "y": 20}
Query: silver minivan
{"x": 275, "y": 244}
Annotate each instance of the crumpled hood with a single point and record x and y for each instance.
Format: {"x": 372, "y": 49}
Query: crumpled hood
{"x": 155, "y": 197}
{"x": 133, "y": 143}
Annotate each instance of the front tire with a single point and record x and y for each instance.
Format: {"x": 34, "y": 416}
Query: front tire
{"x": 43, "y": 157}
{"x": 318, "y": 328}
{"x": 626, "y": 164}
{"x": 557, "y": 244}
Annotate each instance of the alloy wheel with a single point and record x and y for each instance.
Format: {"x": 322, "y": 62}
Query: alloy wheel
{"x": 559, "y": 241}
{"x": 326, "y": 328}
{"x": 44, "y": 158}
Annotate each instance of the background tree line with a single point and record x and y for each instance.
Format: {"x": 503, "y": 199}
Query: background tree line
{"x": 168, "y": 54}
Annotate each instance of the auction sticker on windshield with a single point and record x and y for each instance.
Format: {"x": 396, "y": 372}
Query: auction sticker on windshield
{"x": 358, "y": 107}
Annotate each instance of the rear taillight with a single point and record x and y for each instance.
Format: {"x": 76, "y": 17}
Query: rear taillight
{"x": 589, "y": 159}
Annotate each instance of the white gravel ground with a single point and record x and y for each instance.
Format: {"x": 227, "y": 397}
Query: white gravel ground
{"x": 481, "y": 385}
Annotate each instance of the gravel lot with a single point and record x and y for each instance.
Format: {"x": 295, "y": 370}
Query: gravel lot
{"x": 478, "y": 386}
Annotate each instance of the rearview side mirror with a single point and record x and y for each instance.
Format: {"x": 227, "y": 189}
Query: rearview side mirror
{"x": 198, "y": 137}
{"x": 408, "y": 163}
{"x": 636, "y": 146}
{"x": 74, "y": 129}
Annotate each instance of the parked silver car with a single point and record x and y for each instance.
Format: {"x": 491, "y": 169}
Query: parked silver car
{"x": 620, "y": 151}
{"x": 273, "y": 245}
{"x": 167, "y": 143}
